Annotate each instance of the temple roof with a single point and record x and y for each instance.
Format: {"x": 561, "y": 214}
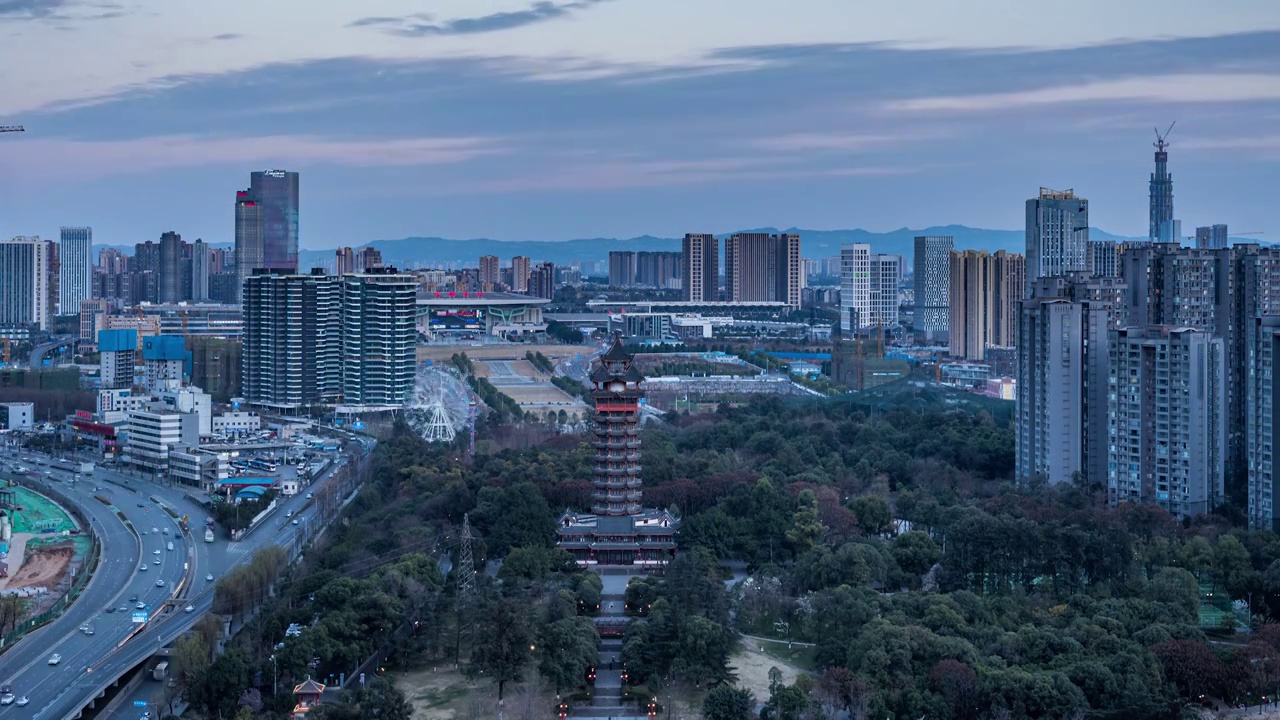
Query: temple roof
{"x": 616, "y": 352}
{"x": 309, "y": 687}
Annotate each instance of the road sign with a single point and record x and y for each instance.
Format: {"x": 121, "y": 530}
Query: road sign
{"x": 361, "y": 679}
{"x": 139, "y": 703}
{"x": 358, "y": 425}
{"x": 140, "y": 617}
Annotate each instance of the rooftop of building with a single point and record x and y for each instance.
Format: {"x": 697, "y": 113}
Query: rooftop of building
{"x": 479, "y": 299}
{"x": 647, "y": 522}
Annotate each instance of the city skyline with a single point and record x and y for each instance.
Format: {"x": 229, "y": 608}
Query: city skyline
{"x": 390, "y": 149}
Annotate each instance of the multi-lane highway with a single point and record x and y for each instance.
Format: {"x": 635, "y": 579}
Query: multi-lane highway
{"x": 91, "y": 661}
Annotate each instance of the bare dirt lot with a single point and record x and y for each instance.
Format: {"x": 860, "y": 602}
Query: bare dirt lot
{"x": 44, "y": 567}
{"x": 548, "y": 393}
{"x": 752, "y": 667}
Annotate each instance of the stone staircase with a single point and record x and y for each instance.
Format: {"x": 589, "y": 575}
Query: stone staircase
{"x": 606, "y": 700}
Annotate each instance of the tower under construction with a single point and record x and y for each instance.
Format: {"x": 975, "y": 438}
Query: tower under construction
{"x": 1161, "y": 225}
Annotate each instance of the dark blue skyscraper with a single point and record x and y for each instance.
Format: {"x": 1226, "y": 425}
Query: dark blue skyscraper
{"x": 276, "y": 192}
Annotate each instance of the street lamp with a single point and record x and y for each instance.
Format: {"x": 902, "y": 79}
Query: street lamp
{"x": 275, "y": 676}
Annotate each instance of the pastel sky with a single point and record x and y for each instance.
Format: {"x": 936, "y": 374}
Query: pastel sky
{"x": 556, "y": 119}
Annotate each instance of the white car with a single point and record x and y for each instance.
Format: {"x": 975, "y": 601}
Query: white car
{"x": 189, "y": 608}
{"x": 22, "y": 701}
{"x": 159, "y": 583}
{"x": 208, "y": 578}
{"x": 88, "y": 630}
{"x": 7, "y": 699}
{"x": 156, "y": 561}
{"x": 54, "y": 659}
{"x": 140, "y": 606}
{"x": 295, "y": 522}
{"x": 155, "y": 552}
{"x": 142, "y": 568}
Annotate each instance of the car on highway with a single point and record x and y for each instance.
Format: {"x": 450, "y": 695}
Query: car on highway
{"x": 155, "y": 552}
{"x": 7, "y": 698}
{"x": 23, "y": 701}
{"x": 54, "y": 659}
{"x": 159, "y": 583}
{"x": 295, "y": 522}
{"x": 310, "y": 495}
{"x": 189, "y": 608}
{"x": 156, "y": 561}
{"x": 155, "y": 530}
{"x": 88, "y": 630}
{"x": 142, "y": 568}
{"x": 289, "y": 514}
{"x": 140, "y": 606}
{"x": 110, "y": 610}
{"x": 122, "y": 608}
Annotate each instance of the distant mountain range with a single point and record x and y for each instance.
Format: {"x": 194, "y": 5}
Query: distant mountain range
{"x": 407, "y": 252}
{"x": 814, "y": 244}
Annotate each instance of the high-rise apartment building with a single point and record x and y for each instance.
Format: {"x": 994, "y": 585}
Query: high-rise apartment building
{"x": 520, "y": 274}
{"x": 1049, "y": 406}
{"x": 855, "y": 288}
{"x": 1062, "y": 349}
{"x": 659, "y": 270}
{"x": 1057, "y": 235}
{"x": 700, "y": 258}
{"x": 886, "y": 273}
{"x": 982, "y": 310}
{"x": 1212, "y": 237}
{"x": 1263, "y": 423}
{"x": 290, "y": 338}
{"x": 324, "y": 339}
{"x": 112, "y": 260}
{"x": 173, "y": 271}
{"x": 24, "y": 282}
{"x": 368, "y": 258}
{"x": 971, "y": 308}
{"x": 200, "y": 271}
{"x": 760, "y": 267}
{"x": 489, "y": 272}
{"x": 1103, "y": 258}
{"x": 622, "y": 268}
{"x": 542, "y": 281}
{"x": 1010, "y": 283}
{"x": 378, "y": 332}
{"x": 165, "y": 362}
{"x": 75, "y": 271}
{"x": 1161, "y": 200}
{"x": 344, "y": 261}
{"x": 1167, "y": 427}
{"x": 932, "y": 285}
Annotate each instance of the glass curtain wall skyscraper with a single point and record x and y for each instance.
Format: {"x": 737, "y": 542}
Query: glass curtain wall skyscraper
{"x": 75, "y": 271}
{"x": 1057, "y": 235}
{"x": 266, "y": 230}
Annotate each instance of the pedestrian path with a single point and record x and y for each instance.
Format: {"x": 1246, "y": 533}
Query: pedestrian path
{"x": 606, "y": 699}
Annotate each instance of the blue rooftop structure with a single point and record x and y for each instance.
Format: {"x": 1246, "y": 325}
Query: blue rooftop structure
{"x": 164, "y": 347}
{"x": 117, "y": 340}
{"x": 251, "y": 493}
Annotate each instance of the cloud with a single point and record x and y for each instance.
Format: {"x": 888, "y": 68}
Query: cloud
{"x": 1180, "y": 88}
{"x": 58, "y": 10}
{"x": 830, "y": 141}
{"x": 425, "y": 24}
{"x": 151, "y": 154}
{"x": 25, "y": 9}
{"x": 228, "y": 36}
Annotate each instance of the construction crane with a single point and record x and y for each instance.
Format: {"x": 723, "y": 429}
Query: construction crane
{"x": 11, "y": 128}
{"x": 1162, "y": 140}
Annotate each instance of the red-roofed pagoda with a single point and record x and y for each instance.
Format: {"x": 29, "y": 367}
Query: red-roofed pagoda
{"x": 619, "y": 532}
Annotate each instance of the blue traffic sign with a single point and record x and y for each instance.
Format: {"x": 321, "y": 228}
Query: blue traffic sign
{"x": 140, "y": 617}
{"x": 358, "y": 425}
{"x": 139, "y": 703}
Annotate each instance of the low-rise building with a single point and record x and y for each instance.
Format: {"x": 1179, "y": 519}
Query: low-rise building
{"x": 151, "y": 435}
{"x": 18, "y": 416}
{"x": 236, "y": 422}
